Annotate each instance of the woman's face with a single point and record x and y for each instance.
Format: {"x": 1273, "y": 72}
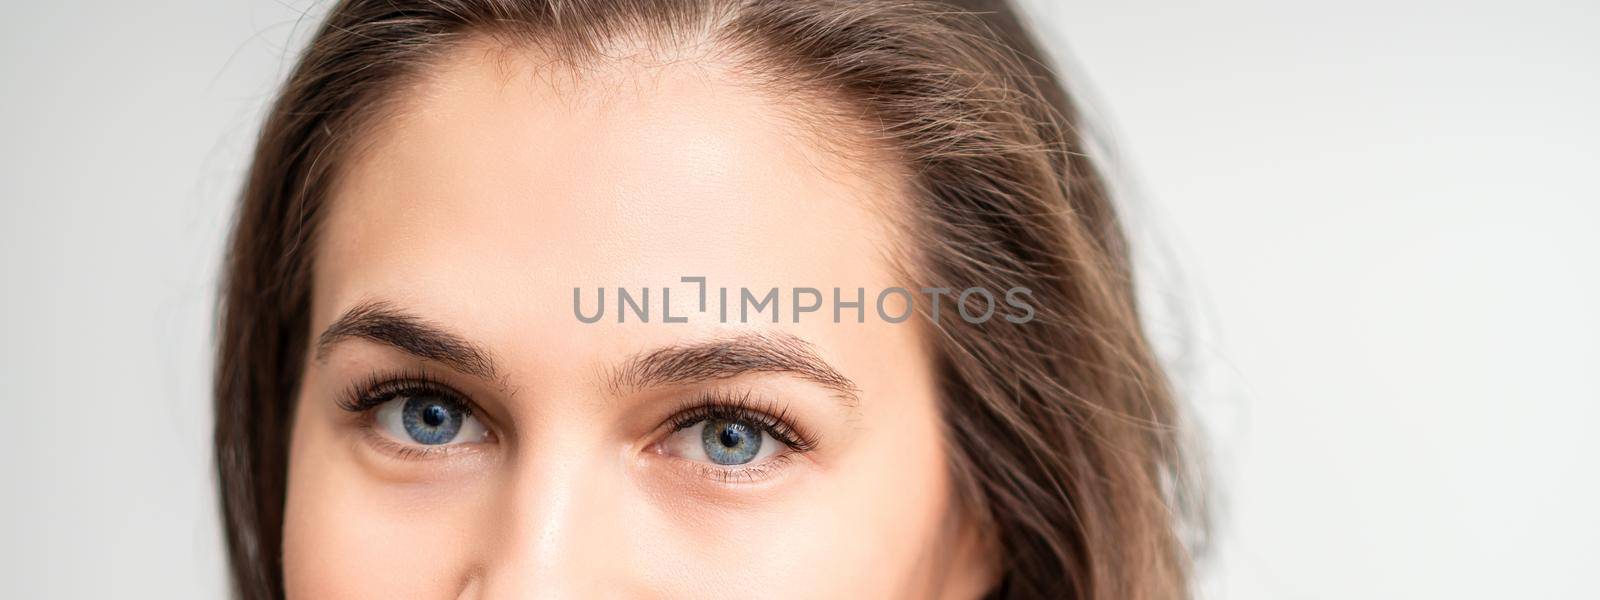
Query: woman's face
{"x": 460, "y": 432}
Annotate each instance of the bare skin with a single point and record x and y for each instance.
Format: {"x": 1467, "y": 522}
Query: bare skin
{"x": 499, "y": 188}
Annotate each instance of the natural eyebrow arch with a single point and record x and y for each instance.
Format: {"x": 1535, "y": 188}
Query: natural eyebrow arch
{"x": 382, "y": 322}
{"x": 727, "y": 357}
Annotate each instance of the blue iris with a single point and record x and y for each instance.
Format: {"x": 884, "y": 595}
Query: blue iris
{"x": 730, "y": 442}
{"x": 432, "y": 420}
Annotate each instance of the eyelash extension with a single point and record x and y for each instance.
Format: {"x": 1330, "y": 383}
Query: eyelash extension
{"x": 730, "y": 406}
{"x": 381, "y": 387}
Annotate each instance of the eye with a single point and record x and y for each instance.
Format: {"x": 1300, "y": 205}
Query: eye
{"x": 429, "y": 418}
{"x": 723, "y": 441}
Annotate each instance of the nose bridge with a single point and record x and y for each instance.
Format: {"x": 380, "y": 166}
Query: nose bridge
{"x": 556, "y": 517}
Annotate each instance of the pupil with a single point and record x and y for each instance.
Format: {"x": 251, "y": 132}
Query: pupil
{"x": 435, "y": 415}
{"x": 730, "y": 436}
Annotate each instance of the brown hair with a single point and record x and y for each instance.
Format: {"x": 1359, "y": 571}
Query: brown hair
{"x": 1062, "y": 431}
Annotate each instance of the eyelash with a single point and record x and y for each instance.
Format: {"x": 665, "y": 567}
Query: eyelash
{"x": 725, "y": 405}
{"x": 380, "y": 387}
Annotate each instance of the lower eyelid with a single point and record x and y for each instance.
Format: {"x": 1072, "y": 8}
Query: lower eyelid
{"x": 755, "y": 472}
{"x": 745, "y": 474}
{"x": 381, "y": 442}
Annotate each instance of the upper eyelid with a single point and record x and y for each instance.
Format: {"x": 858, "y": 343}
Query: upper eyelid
{"x": 358, "y": 396}
{"x": 729, "y": 357}
{"x": 799, "y": 437}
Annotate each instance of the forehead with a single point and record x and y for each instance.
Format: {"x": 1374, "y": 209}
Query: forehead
{"x": 502, "y": 183}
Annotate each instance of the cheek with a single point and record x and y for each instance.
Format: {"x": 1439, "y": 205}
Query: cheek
{"x": 348, "y": 536}
{"x": 887, "y": 518}
{"x": 874, "y": 526}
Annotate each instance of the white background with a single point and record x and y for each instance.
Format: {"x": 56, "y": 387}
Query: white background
{"x": 1378, "y": 221}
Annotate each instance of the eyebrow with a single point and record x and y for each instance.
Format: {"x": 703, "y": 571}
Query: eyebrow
{"x": 732, "y": 356}
{"x": 383, "y": 323}
{"x": 711, "y": 360}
